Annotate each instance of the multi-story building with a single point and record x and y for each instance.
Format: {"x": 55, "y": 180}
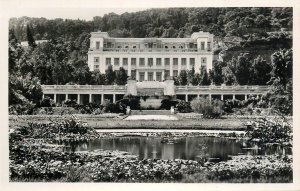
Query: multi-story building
{"x": 150, "y": 59}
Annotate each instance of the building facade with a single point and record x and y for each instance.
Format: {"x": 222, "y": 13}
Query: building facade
{"x": 150, "y": 59}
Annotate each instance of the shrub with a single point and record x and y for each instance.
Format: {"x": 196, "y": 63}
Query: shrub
{"x": 184, "y": 107}
{"x": 209, "y": 109}
{"x": 167, "y": 103}
{"x": 70, "y": 103}
{"x": 47, "y": 102}
{"x": 132, "y": 101}
{"x": 229, "y": 105}
{"x": 270, "y": 130}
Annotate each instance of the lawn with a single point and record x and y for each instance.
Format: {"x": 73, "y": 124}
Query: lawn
{"x": 114, "y": 121}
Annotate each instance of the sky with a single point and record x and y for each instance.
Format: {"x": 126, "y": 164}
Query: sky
{"x": 87, "y": 9}
{"x": 71, "y": 13}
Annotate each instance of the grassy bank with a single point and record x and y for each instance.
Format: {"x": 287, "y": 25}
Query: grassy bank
{"x": 114, "y": 121}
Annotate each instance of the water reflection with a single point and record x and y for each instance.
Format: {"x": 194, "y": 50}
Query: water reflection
{"x": 191, "y": 148}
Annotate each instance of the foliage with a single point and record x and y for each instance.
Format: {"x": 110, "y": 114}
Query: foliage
{"x": 255, "y": 168}
{"x": 216, "y": 73}
{"x": 209, "y": 108}
{"x": 30, "y": 39}
{"x": 183, "y": 78}
{"x": 229, "y": 105}
{"x": 204, "y": 79}
{"x": 242, "y": 70}
{"x": 281, "y": 94}
{"x": 184, "y": 107}
{"x": 121, "y": 76}
{"x": 110, "y": 76}
{"x": 132, "y": 101}
{"x": 191, "y": 76}
{"x": 270, "y": 130}
{"x": 47, "y": 102}
{"x": 260, "y": 71}
{"x": 172, "y": 22}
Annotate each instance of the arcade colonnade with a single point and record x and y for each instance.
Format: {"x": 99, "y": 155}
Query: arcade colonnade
{"x": 84, "y": 94}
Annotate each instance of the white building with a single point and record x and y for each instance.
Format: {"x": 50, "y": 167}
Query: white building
{"x": 150, "y": 59}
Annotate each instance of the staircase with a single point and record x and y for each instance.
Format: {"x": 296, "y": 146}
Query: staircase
{"x": 150, "y": 112}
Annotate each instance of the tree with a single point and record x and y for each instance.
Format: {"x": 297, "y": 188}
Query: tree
{"x": 15, "y": 51}
{"x": 216, "y": 73}
{"x": 30, "y": 39}
{"x": 260, "y": 73}
{"x": 97, "y": 78}
{"x": 110, "y": 76}
{"x": 121, "y": 77}
{"x": 204, "y": 80}
{"x": 281, "y": 93}
{"x": 191, "y": 76}
{"x": 242, "y": 71}
{"x": 282, "y": 68}
{"x": 228, "y": 76}
{"x": 183, "y": 78}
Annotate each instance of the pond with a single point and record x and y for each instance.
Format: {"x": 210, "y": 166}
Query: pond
{"x": 189, "y": 148}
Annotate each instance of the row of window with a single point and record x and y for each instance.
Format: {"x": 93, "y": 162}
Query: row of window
{"x": 150, "y": 74}
{"x": 154, "y": 45}
{"x": 108, "y": 61}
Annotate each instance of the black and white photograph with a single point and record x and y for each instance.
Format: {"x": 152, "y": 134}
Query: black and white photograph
{"x": 158, "y": 94}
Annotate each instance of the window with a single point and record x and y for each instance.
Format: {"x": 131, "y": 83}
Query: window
{"x": 108, "y": 61}
{"x": 96, "y": 66}
{"x": 150, "y": 45}
{"x": 192, "y": 62}
{"x": 150, "y": 62}
{"x": 175, "y": 61}
{"x": 158, "y": 61}
{"x": 150, "y": 76}
{"x": 202, "y": 45}
{"x": 166, "y": 47}
{"x": 133, "y": 74}
{"x": 208, "y": 46}
{"x": 125, "y": 61}
{"x": 96, "y": 59}
{"x": 142, "y": 76}
{"x": 175, "y": 73}
{"x": 116, "y": 61}
{"x": 158, "y": 76}
{"x": 97, "y": 45}
{"x": 133, "y": 61}
{"x": 167, "y": 73}
{"x": 183, "y": 61}
{"x": 203, "y": 60}
{"x": 142, "y": 62}
{"x": 167, "y": 61}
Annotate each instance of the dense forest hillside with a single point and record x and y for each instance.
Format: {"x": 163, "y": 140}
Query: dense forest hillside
{"x": 172, "y": 22}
